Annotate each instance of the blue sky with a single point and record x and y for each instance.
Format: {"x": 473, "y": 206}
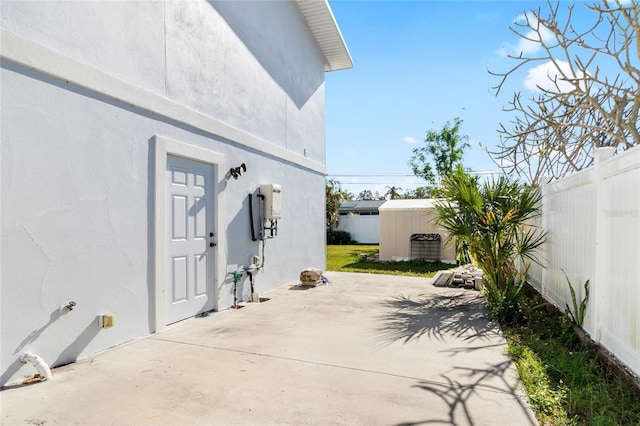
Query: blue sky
{"x": 417, "y": 65}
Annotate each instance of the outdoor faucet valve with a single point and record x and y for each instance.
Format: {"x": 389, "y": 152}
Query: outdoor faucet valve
{"x": 68, "y": 307}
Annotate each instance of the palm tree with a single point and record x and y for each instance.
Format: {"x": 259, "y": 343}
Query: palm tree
{"x": 458, "y": 211}
{"x": 393, "y": 192}
{"x": 491, "y": 224}
{"x": 335, "y": 196}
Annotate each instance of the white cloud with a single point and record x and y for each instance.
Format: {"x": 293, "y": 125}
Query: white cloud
{"x": 521, "y": 18}
{"x": 543, "y": 76}
{"x": 531, "y": 42}
{"x": 410, "y": 140}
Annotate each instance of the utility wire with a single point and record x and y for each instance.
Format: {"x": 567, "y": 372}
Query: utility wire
{"x": 473, "y": 172}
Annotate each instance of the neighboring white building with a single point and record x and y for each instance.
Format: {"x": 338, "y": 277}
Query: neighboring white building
{"x": 121, "y": 122}
{"x": 408, "y": 231}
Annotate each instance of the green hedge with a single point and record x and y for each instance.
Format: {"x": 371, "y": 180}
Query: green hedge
{"x": 339, "y": 238}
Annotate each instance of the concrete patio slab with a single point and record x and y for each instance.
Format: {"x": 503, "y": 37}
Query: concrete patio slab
{"x": 364, "y": 350}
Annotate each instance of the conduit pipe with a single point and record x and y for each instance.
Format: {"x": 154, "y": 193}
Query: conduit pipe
{"x": 253, "y": 232}
{"x": 38, "y": 363}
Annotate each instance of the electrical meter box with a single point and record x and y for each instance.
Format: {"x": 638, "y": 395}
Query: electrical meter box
{"x": 272, "y": 194}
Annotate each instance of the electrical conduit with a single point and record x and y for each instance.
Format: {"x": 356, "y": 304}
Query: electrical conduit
{"x": 38, "y": 363}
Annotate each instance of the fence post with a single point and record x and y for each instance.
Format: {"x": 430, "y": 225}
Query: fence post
{"x": 544, "y": 224}
{"x": 601, "y": 269}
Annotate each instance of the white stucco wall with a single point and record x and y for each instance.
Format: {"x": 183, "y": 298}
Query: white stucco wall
{"x": 86, "y": 86}
{"x": 251, "y": 64}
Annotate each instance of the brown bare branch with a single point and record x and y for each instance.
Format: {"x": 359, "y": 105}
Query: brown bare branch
{"x": 583, "y": 104}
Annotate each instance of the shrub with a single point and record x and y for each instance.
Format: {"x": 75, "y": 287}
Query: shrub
{"x": 339, "y": 237}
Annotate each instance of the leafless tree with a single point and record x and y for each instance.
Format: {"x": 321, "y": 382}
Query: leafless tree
{"x": 581, "y": 104}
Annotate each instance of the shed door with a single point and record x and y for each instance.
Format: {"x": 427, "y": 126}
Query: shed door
{"x": 190, "y": 234}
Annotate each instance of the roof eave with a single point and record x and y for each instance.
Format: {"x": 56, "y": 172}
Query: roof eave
{"x": 324, "y": 28}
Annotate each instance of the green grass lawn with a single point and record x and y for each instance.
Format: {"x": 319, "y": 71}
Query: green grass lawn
{"x": 347, "y": 259}
{"x": 564, "y": 380}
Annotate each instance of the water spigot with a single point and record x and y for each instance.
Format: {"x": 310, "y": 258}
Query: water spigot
{"x": 68, "y": 307}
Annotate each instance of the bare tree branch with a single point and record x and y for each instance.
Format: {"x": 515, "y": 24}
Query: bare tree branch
{"x": 579, "y": 106}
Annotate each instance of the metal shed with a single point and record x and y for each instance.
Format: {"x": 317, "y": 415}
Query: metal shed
{"x": 408, "y": 231}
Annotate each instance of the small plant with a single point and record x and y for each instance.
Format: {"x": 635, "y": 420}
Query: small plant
{"x": 502, "y": 294}
{"x": 577, "y": 315}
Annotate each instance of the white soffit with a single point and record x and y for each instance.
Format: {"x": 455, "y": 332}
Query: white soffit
{"x": 325, "y": 30}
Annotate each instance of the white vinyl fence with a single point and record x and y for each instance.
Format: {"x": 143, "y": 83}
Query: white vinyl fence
{"x": 593, "y": 224}
{"x": 365, "y": 229}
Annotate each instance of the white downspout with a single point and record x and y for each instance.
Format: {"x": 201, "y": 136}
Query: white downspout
{"x": 38, "y": 363}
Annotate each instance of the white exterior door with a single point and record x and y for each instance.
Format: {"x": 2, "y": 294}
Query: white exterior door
{"x": 190, "y": 238}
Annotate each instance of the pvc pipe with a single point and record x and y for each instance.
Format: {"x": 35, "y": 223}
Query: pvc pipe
{"x": 38, "y": 363}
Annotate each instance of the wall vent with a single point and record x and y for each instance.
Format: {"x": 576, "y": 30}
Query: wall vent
{"x": 426, "y": 247}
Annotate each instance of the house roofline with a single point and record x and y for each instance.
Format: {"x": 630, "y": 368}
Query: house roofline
{"x": 411, "y": 204}
{"x": 324, "y": 28}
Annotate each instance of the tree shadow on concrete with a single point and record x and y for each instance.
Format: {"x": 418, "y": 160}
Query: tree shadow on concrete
{"x": 491, "y": 379}
{"x": 440, "y": 316}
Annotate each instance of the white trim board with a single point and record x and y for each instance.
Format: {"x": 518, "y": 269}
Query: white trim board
{"x": 163, "y": 147}
{"x": 42, "y": 59}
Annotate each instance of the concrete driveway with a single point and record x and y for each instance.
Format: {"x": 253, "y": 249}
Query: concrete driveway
{"x": 363, "y": 350}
